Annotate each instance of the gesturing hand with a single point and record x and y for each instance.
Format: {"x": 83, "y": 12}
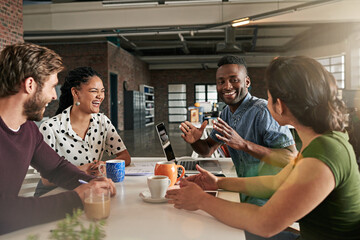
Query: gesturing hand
{"x": 191, "y": 133}
{"x": 228, "y": 135}
{"x": 204, "y": 179}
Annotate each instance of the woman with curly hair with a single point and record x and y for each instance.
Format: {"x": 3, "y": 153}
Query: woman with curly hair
{"x": 79, "y": 132}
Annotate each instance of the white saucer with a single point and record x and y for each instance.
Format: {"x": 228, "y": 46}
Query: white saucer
{"x": 146, "y": 197}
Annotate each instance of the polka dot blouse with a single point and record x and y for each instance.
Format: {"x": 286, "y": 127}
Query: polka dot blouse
{"x": 101, "y": 136}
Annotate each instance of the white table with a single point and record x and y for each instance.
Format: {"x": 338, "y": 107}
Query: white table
{"x": 131, "y": 218}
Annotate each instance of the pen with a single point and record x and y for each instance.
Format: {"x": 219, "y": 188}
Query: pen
{"x": 82, "y": 181}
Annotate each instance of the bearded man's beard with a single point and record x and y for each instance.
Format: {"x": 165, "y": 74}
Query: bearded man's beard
{"x": 34, "y": 107}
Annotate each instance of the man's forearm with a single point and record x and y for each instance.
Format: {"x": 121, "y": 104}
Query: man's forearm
{"x": 67, "y": 175}
{"x": 20, "y": 212}
{"x": 202, "y": 148}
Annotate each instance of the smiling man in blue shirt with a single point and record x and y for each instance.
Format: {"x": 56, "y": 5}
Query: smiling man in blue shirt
{"x": 258, "y": 145}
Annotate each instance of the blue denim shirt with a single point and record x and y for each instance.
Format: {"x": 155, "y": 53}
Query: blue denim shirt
{"x": 253, "y": 122}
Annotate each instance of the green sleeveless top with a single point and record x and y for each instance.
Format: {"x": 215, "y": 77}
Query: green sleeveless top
{"x": 338, "y": 216}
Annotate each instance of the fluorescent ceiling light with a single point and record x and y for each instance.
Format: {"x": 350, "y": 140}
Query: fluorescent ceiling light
{"x": 172, "y": 2}
{"x": 240, "y": 22}
{"x": 246, "y": 20}
{"x": 117, "y": 3}
{"x": 129, "y": 4}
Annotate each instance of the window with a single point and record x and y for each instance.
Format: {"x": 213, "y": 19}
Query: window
{"x": 335, "y": 65}
{"x": 177, "y": 103}
{"x": 206, "y": 93}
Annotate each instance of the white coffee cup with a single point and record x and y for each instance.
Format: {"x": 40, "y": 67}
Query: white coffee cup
{"x": 158, "y": 185}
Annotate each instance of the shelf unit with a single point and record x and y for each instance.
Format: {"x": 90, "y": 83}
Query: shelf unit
{"x": 149, "y": 104}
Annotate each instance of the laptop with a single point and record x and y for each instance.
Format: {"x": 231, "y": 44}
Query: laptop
{"x": 189, "y": 163}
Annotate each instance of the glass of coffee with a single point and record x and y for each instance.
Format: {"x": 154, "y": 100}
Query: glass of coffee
{"x": 97, "y": 204}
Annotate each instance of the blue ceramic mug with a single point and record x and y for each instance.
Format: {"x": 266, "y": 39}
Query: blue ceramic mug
{"x": 115, "y": 169}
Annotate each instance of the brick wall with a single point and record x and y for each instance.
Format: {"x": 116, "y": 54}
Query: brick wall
{"x": 128, "y": 68}
{"x": 105, "y": 58}
{"x": 161, "y": 78}
{"x": 78, "y": 55}
{"x": 11, "y": 22}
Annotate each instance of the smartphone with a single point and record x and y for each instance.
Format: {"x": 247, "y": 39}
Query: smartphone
{"x": 214, "y": 193}
{"x": 219, "y": 174}
{"x": 165, "y": 141}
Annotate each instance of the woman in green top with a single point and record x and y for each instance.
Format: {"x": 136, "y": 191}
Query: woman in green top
{"x": 320, "y": 188}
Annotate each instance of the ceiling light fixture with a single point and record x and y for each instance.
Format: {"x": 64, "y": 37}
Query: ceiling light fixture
{"x": 299, "y": 7}
{"x": 126, "y": 3}
{"x": 240, "y": 22}
{"x": 129, "y": 3}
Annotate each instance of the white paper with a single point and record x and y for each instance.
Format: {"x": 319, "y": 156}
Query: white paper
{"x": 140, "y": 168}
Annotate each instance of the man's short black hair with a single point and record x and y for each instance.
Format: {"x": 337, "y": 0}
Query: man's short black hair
{"x": 232, "y": 60}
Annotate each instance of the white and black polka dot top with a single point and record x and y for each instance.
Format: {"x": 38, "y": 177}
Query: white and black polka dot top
{"x": 101, "y": 136}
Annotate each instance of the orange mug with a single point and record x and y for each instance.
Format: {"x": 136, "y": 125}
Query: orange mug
{"x": 169, "y": 169}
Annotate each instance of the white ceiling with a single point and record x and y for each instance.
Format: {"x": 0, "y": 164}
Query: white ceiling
{"x": 187, "y": 34}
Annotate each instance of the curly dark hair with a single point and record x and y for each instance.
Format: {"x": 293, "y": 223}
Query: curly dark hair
{"x": 231, "y": 59}
{"x": 23, "y": 60}
{"x": 75, "y": 78}
{"x": 308, "y": 90}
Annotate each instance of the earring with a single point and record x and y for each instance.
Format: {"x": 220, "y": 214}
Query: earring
{"x": 77, "y": 103}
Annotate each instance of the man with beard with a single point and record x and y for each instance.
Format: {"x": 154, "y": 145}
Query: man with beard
{"x": 258, "y": 145}
{"x": 28, "y": 76}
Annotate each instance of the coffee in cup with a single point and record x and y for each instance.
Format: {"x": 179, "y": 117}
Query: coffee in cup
{"x": 97, "y": 204}
{"x": 169, "y": 169}
{"x": 158, "y": 186}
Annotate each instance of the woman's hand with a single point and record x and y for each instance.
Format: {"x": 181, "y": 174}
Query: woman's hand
{"x": 124, "y": 155}
{"x": 204, "y": 179}
{"x": 188, "y": 197}
{"x": 92, "y": 168}
{"x": 228, "y": 135}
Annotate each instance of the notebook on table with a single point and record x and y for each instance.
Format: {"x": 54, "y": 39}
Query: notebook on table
{"x": 189, "y": 163}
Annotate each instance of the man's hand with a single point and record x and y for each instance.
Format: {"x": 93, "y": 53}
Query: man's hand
{"x": 228, "y": 135}
{"x": 96, "y": 183}
{"x": 204, "y": 179}
{"x": 191, "y": 133}
{"x": 188, "y": 197}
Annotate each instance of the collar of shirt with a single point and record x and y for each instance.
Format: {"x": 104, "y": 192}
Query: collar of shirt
{"x": 243, "y": 106}
{"x": 65, "y": 125}
{"x": 235, "y": 117}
